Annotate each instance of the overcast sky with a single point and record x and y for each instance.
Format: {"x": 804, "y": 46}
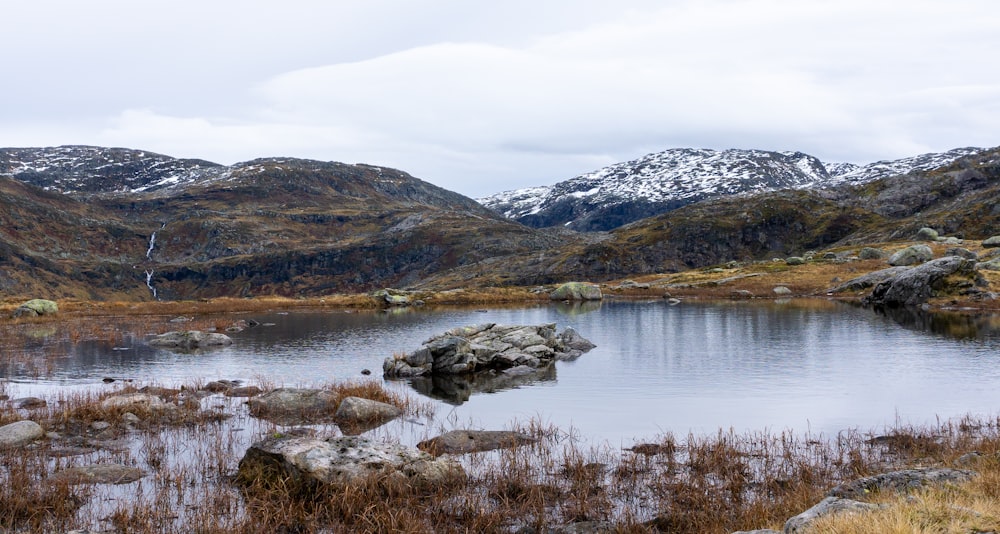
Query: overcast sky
{"x": 484, "y": 96}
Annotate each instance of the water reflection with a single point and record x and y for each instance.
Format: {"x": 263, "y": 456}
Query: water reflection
{"x": 950, "y": 324}
{"x": 457, "y": 389}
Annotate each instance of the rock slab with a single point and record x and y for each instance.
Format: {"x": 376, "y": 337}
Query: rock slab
{"x": 190, "y": 339}
{"x": 341, "y": 461}
{"x": 466, "y": 441}
{"x": 914, "y": 286}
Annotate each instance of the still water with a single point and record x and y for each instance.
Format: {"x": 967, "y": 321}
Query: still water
{"x": 815, "y": 367}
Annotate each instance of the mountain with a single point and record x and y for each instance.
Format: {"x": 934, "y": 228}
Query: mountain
{"x": 657, "y": 183}
{"x": 95, "y": 222}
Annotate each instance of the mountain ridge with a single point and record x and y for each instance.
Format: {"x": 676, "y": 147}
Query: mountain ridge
{"x": 663, "y": 181}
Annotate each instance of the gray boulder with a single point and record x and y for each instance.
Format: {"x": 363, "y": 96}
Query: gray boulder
{"x": 782, "y": 291}
{"x": 20, "y": 433}
{"x": 344, "y": 461}
{"x": 295, "y": 405}
{"x": 911, "y": 255}
{"x": 795, "y": 260}
{"x": 356, "y": 415}
{"x": 927, "y": 234}
{"x": 963, "y": 252}
{"x": 870, "y": 253}
{"x": 899, "y": 481}
{"x": 991, "y": 265}
{"x": 392, "y": 297}
{"x": 487, "y": 347}
{"x": 466, "y": 441}
{"x": 136, "y": 401}
{"x": 190, "y": 339}
{"x": 577, "y": 291}
{"x": 992, "y": 242}
{"x": 868, "y": 280}
{"x": 915, "y": 285}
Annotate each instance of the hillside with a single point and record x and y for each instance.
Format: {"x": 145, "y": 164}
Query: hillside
{"x": 660, "y": 182}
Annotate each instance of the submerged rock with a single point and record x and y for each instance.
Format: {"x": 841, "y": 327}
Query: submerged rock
{"x": 99, "y": 474}
{"x": 466, "y": 441}
{"x": 356, "y": 415}
{"x": 295, "y": 405}
{"x": 190, "y": 339}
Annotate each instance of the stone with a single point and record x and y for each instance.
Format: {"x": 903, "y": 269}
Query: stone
{"x": 243, "y": 391}
{"x": 359, "y": 410}
{"x": 190, "y": 339}
{"x": 133, "y": 401}
{"x": 349, "y": 460}
{"x": 468, "y": 441}
{"x": 392, "y": 297}
{"x": 911, "y": 255}
{"x": 899, "y": 481}
{"x": 740, "y": 294}
{"x": 577, "y": 291}
{"x": 915, "y": 285}
{"x": 992, "y": 242}
{"x": 963, "y": 252}
{"x": 870, "y": 253}
{"x": 489, "y": 347}
{"x": 20, "y": 433}
{"x": 868, "y": 280}
{"x": 782, "y": 291}
{"x": 795, "y": 260}
{"x": 991, "y": 265}
{"x": 927, "y": 234}
{"x": 828, "y": 506}
{"x": 99, "y": 474}
{"x": 29, "y": 403}
{"x": 295, "y": 405}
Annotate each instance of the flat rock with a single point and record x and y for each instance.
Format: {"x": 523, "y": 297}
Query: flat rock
{"x": 190, "y": 340}
{"x": 828, "y": 506}
{"x": 295, "y": 405}
{"x": 347, "y": 460}
{"x": 467, "y": 441}
{"x": 99, "y": 474}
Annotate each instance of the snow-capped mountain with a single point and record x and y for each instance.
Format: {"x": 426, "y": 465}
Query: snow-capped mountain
{"x": 663, "y": 181}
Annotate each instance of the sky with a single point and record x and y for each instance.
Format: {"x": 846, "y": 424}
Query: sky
{"x": 482, "y": 96}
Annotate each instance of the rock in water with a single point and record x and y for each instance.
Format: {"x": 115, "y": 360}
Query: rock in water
{"x": 466, "y": 441}
{"x": 20, "y": 433}
{"x": 35, "y": 307}
{"x": 191, "y": 339}
{"x": 914, "y": 286}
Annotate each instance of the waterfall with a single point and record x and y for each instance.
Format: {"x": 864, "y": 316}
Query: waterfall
{"x": 152, "y": 243}
{"x": 149, "y": 282}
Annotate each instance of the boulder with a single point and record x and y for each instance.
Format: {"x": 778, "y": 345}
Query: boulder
{"x": 991, "y": 265}
{"x": 927, "y": 234}
{"x": 36, "y": 307}
{"x": 911, "y": 255}
{"x": 899, "y": 481}
{"x": 20, "y": 433}
{"x": 795, "y": 260}
{"x": 488, "y": 347}
{"x": 99, "y": 474}
{"x": 190, "y": 339}
{"x": 915, "y": 285}
{"x": 870, "y": 253}
{"x": 392, "y": 297}
{"x": 344, "y": 461}
{"x": 356, "y": 410}
{"x": 963, "y": 252}
{"x": 992, "y": 242}
{"x": 868, "y": 280}
{"x": 29, "y": 403}
{"x": 782, "y": 291}
{"x": 136, "y": 401}
{"x": 295, "y": 405}
{"x": 577, "y": 291}
{"x": 466, "y": 441}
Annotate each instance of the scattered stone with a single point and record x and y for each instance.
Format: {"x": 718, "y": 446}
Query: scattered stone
{"x": 911, "y": 255}
{"x": 963, "y": 252}
{"x": 99, "y": 474}
{"x": 870, "y": 253}
{"x": 342, "y": 461}
{"x": 356, "y": 410}
{"x": 927, "y": 234}
{"x": 190, "y": 339}
{"x": 992, "y": 242}
{"x": 782, "y": 291}
{"x": 915, "y": 285}
{"x": 487, "y": 347}
{"x": 795, "y": 260}
{"x": 740, "y": 294}
{"x": 366, "y": 372}
{"x": 20, "y": 433}
{"x": 467, "y": 441}
{"x": 577, "y": 291}
{"x": 295, "y": 405}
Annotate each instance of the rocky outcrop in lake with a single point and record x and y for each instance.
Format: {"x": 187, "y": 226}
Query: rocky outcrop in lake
{"x": 190, "y": 340}
{"x": 486, "y": 347}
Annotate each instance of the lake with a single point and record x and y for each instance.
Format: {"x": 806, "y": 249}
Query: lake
{"x": 806, "y": 366}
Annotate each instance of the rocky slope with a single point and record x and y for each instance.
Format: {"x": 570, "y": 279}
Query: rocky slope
{"x": 113, "y": 223}
{"x": 664, "y": 181}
